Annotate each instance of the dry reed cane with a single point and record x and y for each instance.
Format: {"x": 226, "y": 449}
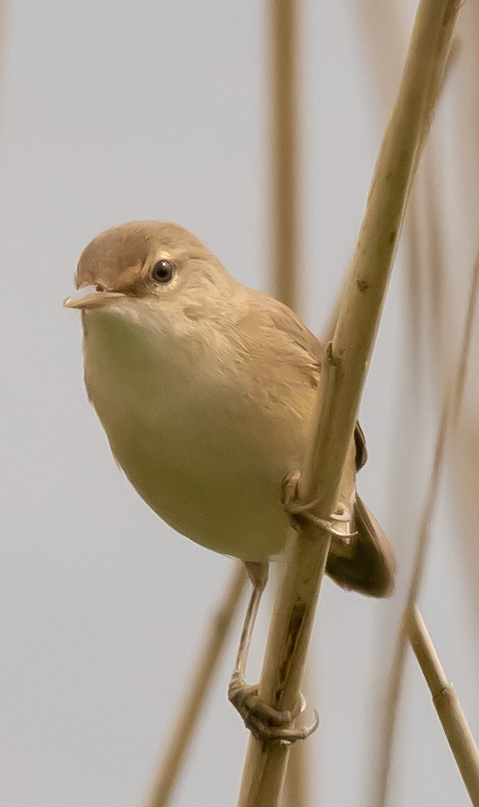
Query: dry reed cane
{"x": 450, "y": 412}
{"x": 446, "y": 703}
{"x": 185, "y": 723}
{"x": 285, "y": 41}
{"x": 343, "y": 377}
{"x": 284, "y": 130}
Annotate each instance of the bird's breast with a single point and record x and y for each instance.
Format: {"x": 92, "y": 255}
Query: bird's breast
{"x": 204, "y": 445}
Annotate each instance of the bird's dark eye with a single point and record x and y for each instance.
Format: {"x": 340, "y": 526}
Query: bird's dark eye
{"x": 163, "y": 271}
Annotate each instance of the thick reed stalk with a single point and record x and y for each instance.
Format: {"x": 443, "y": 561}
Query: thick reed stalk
{"x": 184, "y": 726}
{"x": 285, "y": 42}
{"x": 342, "y": 379}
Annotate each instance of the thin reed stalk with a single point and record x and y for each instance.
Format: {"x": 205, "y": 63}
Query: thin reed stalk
{"x": 184, "y": 725}
{"x": 342, "y": 379}
{"x": 284, "y": 16}
{"x": 446, "y": 704}
{"x": 449, "y": 415}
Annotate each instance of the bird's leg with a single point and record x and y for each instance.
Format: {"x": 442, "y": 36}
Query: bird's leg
{"x": 265, "y": 722}
{"x": 258, "y": 574}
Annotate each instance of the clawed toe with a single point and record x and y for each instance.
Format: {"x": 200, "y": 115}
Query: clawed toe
{"x": 297, "y": 511}
{"x": 265, "y": 722}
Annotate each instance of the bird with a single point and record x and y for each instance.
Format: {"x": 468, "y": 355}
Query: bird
{"x": 206, "y": 389}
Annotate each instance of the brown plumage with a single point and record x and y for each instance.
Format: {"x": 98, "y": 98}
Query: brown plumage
{"x": 205, "y": 389}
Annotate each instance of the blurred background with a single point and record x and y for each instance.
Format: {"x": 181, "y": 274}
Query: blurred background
{"x": 118, "y": 111}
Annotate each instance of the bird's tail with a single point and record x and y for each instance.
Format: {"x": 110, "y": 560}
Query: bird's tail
{"x": 367, "y": 563}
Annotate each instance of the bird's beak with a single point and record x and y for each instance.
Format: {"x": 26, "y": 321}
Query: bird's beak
{"x": 91, "y": 297}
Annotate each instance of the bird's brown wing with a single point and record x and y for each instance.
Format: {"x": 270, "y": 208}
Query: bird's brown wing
{"x": 303, "y": 349}
{"x": 279, "y": 336}
{"x": 300, "y": 348}
{"x": 367, "y": 564}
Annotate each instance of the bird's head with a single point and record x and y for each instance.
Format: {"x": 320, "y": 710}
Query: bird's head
{"x": 159, "y": 262}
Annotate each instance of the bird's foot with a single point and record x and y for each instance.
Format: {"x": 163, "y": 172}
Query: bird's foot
{"x": 265, "y": 722}
{"x": 296, "y": 511}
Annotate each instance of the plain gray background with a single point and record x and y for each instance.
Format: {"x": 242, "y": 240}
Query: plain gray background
{"x": 118, "y": 111}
